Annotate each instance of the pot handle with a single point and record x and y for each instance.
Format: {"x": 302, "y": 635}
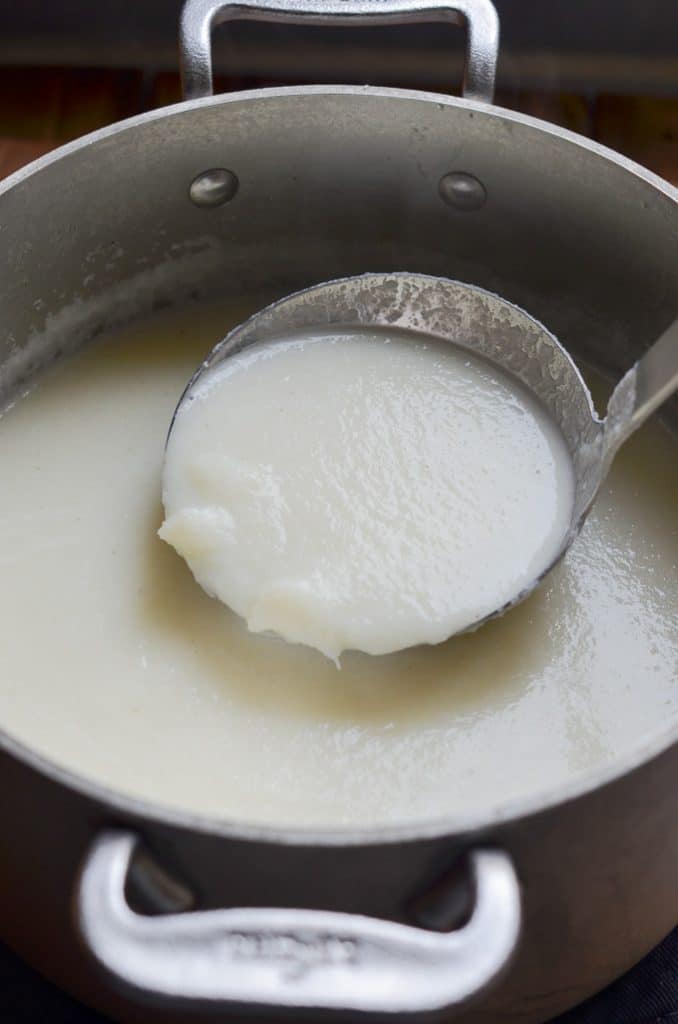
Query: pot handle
{"x": 199, "y": 17}
{"x": 295, "y": 958}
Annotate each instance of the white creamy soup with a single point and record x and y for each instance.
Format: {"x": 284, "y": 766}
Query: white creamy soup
{"x": 364, "y": 490}
{"x": 117, "y": 665}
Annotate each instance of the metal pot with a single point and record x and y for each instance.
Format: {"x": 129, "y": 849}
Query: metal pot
{"x": 285, "y": 187}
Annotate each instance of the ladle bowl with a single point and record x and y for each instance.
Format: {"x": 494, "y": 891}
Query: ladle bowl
{"x": 486, "y": 324}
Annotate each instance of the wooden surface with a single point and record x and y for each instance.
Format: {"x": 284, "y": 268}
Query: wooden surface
{"x": 40, "y": 108}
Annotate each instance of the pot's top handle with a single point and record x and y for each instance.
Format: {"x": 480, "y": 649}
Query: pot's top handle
{"x": 199, "y": 17}
{"x": 295, "y": 958}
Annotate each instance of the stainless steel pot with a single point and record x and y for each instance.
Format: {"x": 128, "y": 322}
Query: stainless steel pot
{"x": 276, "y": 189}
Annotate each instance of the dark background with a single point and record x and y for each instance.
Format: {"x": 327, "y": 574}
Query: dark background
{"x": 627, "y": 46}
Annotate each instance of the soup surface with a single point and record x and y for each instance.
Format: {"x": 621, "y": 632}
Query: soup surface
{"x": 117, "y": 665}
{"x": 364, "y": 490}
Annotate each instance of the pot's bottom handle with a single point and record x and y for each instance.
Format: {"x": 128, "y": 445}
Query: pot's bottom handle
{"x": 295, "y": 958}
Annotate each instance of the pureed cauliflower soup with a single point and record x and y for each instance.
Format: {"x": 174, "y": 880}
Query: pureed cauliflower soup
{"x": 117, "y": 665}
{"x": 364, "y": 489}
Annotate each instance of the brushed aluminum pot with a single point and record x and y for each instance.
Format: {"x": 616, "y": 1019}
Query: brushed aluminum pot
{"x": 514, "y": 912}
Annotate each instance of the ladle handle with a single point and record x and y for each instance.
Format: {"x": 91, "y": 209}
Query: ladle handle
{"x": 648, "y": 384}
{"x": 199, "y": 17}
{"x": 295, "y": 958}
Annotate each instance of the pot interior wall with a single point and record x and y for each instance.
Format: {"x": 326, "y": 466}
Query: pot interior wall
{"x": 333, "y": 182}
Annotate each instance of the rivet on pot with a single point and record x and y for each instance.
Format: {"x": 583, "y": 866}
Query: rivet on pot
{"x": 213, "y": 187}
{"x": 461, "y": 190}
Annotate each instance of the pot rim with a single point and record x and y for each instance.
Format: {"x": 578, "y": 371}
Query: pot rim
{"x": 453, "y": 824}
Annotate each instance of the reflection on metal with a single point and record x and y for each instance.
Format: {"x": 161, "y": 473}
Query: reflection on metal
{"x": 214, "y": 187}
{"x": 296, "y": 958}
{"x": 649, "y": 383}
{"x": 199, "y": 17}
{"x": 462, "y": 191}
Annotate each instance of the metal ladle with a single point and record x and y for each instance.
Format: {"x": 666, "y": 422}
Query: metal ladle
{"x": 481, "y": 322}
